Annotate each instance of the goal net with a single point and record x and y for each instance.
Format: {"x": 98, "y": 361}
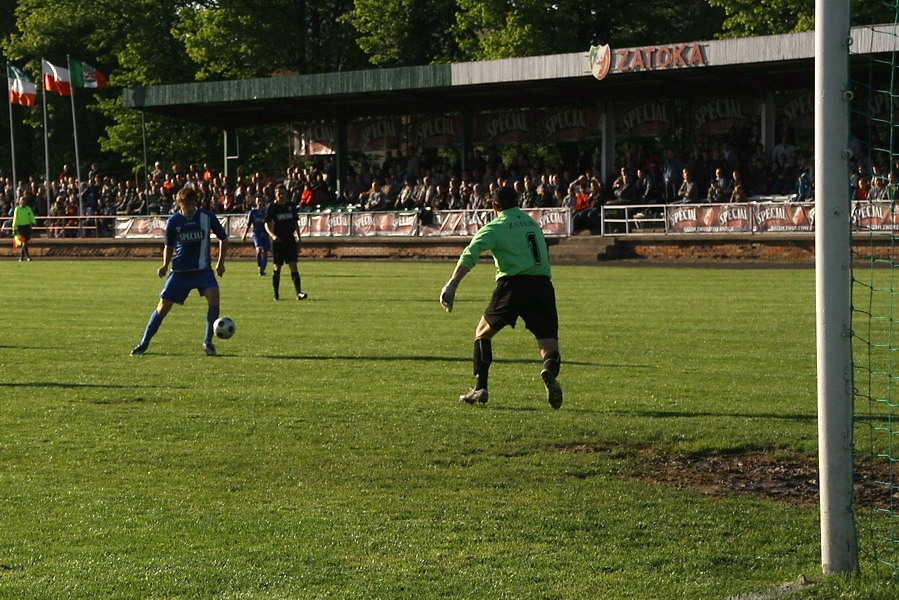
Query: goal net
{"x": 873, "y": 194}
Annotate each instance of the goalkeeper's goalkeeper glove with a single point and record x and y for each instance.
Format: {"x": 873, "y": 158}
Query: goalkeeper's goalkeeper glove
{"x": 448, "y": 294}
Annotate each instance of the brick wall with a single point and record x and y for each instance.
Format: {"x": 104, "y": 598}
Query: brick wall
{"x": 564, "y": 251}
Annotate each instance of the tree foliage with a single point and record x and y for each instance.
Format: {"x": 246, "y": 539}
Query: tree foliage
{"x": 769, "y": 17}
{"x": 150, "y": 42}
{"x": 404, "y": 32}
{"x": 237, "y": 39}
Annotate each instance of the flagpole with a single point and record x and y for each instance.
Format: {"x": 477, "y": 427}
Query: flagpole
{"x": 12, "y": 149}
{"x": 77, "y": 157}
{"x": 46, "y": 145}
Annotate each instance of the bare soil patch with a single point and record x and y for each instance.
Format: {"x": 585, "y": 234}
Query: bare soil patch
{"x": 764, "y": 474}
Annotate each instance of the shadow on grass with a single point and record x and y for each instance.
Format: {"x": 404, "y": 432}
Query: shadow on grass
{"x": 666, "y": 414}
{"x": 424, "y": 358}
{"x": 56, "y": 384}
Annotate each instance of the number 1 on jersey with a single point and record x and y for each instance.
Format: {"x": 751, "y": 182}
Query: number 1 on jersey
{"x": 535, "y": 249}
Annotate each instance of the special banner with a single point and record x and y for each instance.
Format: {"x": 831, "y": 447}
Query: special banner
{"x": 388, "y": 224}
{"x": 875, "y": 216}
{"x": 710, "y": 218}
{"x": 741, "y": 218}
{"x": 324, "y": 224}
{"x": 140, "y": 227}
{"x": 456, "y": 222}
{"x": 784, "y": 217}
{"x": 236, "y": 226}
{"x": 553, "y": 221}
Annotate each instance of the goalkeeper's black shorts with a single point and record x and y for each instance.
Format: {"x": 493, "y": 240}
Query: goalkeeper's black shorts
{"x": 531, "y": 297}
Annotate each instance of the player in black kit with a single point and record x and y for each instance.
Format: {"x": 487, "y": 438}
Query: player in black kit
{"x": 281, "y": 224}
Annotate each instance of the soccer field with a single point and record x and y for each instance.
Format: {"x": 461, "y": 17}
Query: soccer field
{"x": 325, "y": 454}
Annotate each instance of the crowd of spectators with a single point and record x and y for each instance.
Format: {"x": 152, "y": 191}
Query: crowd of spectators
{"x": 736, "y": 169}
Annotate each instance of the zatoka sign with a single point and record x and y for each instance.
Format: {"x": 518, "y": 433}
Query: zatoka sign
{"x": 603, "y": 60}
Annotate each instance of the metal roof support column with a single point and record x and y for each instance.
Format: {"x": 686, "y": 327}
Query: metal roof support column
{"x": 607, "y": 121}
{"x": 343, "y": 156}
{"x": 229, "y": 138}
{"x": 467, "y": 141}
{"x": 769, "y": 120}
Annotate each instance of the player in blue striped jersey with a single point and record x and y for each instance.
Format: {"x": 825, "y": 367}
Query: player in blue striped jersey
{"x": 261, "y": 240}
{"x": 188, "y": 234}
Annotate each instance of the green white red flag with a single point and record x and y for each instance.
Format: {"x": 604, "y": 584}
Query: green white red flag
{"x": 21, "y": 89}
{"x": 84, "y": 75}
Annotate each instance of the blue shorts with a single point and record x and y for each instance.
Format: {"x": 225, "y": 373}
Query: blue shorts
{"x": 262, "y": 241}
{"x": 180, "y": 283}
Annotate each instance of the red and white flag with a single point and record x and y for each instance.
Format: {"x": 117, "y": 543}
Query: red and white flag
{"x": 21, "y": 89}
{"x": 56, "y": 79}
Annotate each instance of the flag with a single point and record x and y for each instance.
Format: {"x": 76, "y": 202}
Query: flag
{"x": 56, "y": 79}
{"x": 21, "y": 89}
{"x": 84, "y": 75}
{"x": 18, "y": 240}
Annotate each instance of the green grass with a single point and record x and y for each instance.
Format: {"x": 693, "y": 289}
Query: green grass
{"x": 325, "y": 455}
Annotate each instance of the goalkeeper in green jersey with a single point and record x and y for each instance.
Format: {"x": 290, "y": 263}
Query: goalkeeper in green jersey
{"x": 523, "y": 289}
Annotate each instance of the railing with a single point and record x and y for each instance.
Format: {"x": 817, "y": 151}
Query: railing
{"x": 64, "y": 227}
{"x": 760, "y": 217}
{"x": 555, "y": 222}
{"x": 749, "y": 217}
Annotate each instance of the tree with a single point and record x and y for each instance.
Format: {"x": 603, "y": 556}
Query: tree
{"x": 769, "y": 17}
{"x": 404, "y": 32}
{"x": 235, "y": 39}
{"x": 407, "y": 32}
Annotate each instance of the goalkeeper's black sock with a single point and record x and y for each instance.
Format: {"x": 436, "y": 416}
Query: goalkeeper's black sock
{"x": 276, "y": 281}
{"x": 296, "y": 281}
{"x": 553, "y": 363}
{"x": 483, "y": 356}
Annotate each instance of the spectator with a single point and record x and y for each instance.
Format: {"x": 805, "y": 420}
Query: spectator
{"x": 862, "y": 188}
{"x": 626, "y": 191}
{"x": 646, "y": 188}
{"x": 804, "y": 188}
{"x": 373, "y": 197}
{"x": 714, "y": 193}
{"x": 688, "y": 192}
{"x": 585, "y": 214}
{"x": 527, "y": 195}
{"x": 724, "y": 183}
{"x": 783, "y": 151}
{"x": 738, "y": 189}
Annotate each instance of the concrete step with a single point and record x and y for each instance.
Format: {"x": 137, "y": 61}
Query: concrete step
{"x": 581, "y": 249}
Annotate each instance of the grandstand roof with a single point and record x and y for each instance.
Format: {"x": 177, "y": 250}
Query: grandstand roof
{"x": 698, "y": 69}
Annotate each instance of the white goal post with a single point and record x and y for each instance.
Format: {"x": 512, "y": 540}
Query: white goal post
{"x": 833, "y": 286}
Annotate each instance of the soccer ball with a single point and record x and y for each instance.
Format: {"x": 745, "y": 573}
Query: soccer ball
{"x": 224, "y": 327}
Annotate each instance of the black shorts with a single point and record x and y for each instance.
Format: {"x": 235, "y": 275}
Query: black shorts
{"x": 530, "y": 297}
{"x": 24, "y": 231}
{"x": 285, "y": 250}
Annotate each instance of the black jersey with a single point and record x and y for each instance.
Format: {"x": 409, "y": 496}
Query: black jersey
{"x": 282, "y": 218}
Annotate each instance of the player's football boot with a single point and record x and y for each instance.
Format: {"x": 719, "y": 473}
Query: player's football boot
{"x": 261, "y": 272}
{"x": 138, "y": 350}
{"x": 302, "y": 296}
{"x": 276, "y": 297}
{"x": 475, "y": 396}
{"x": 553, "y": 388}
{"x": 209, "y": 347}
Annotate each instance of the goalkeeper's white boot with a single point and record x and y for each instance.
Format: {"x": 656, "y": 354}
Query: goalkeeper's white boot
{"x": 553, "y": 388}
{"x": 475, "y": 396}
